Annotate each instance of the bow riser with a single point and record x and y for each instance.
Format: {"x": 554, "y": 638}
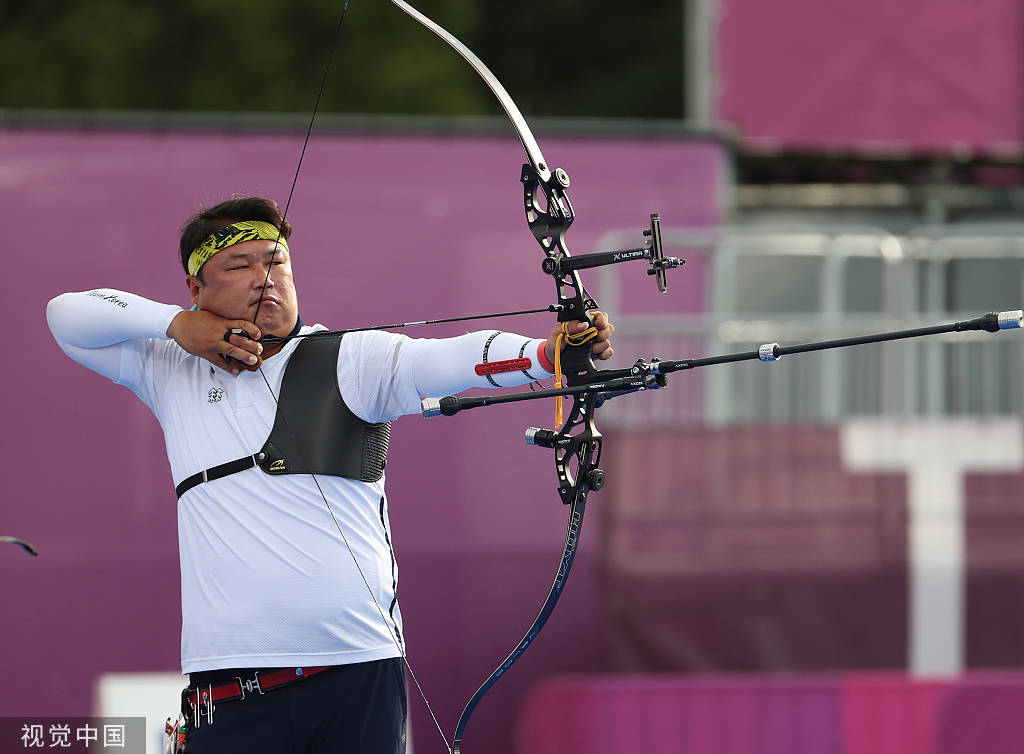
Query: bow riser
{"x": 579, "y": 441}
{"x": 549, "y": 214}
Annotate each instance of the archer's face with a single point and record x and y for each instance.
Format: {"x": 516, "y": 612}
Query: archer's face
{"x": 235, "y": 284}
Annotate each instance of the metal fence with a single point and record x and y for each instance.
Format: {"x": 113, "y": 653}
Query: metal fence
{"x": 793, "y": 285}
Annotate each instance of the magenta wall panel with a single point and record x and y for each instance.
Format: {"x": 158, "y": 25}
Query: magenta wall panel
{"x": 669, "y": 714}
{"x": 888, "y": 713}
{"x": 862, "y": 713}
{"x": 910, "y": 74}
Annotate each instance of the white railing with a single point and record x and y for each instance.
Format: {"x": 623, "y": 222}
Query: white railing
{"x": 793, "y": 285}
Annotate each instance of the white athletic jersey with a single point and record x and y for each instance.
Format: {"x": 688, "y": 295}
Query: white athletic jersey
{"x": 266, "y": 580}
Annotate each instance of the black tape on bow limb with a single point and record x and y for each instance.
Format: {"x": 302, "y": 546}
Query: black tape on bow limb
{"x": 22, "y": 544}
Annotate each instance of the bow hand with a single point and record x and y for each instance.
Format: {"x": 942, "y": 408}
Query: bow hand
{"x": 600, "y": 344}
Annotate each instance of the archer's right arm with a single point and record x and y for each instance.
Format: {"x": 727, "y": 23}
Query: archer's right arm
{"x": 96, "y": 328}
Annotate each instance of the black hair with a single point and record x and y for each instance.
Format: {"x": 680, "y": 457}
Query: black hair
{"x": 205, "y": 222}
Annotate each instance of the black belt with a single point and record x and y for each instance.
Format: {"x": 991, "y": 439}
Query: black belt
{"x": 217, "y": 472}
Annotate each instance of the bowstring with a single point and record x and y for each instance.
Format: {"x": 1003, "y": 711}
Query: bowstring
{"x": 280, "y": 232}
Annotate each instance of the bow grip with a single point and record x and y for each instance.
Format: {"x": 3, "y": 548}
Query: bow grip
{"x": 578, "y": 360}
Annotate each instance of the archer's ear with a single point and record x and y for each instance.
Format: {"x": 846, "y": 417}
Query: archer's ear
{"x": 194, "y": 286}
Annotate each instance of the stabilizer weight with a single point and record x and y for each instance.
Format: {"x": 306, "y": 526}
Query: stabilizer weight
{"x": 1011, "y": 320}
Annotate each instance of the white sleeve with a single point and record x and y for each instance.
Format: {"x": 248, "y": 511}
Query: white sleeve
{"x": 112, "y": 333}
{"x": 383, "y": 376}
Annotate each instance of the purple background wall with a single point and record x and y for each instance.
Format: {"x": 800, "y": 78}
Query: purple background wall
{"x": 387, "y": 229}
{"x": 853, "y": 713}
{"x": 918, "y": 74}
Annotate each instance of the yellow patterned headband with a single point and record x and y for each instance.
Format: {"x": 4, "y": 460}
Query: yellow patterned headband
{"x": 247, "y": 230}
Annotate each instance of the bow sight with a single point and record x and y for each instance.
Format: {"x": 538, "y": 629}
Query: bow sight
{"x": 652, "y": 251}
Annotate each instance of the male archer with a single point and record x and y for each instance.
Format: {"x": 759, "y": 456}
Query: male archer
{"x": 291, "y": 634}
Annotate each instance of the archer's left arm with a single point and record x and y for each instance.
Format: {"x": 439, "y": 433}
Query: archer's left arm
{"x": 383, "y": 376}
{"x": 492, "y": 358}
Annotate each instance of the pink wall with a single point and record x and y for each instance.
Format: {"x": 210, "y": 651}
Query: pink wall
{"x": 862, "y": 713}
{"x": 915, "y": 74}
{"x": 388, "y": 228}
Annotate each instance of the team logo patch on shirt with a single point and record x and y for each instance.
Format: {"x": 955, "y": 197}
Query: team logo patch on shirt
{"x": 215, "y": 395}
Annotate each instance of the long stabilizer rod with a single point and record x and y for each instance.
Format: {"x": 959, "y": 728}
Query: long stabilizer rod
{"x": 991, "y": 322}
{"x": 643, "y": 375}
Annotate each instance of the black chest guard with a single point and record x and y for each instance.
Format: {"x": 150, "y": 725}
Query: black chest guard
{"x": 321, "y": 435}
{"x": 314, "y": 431}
